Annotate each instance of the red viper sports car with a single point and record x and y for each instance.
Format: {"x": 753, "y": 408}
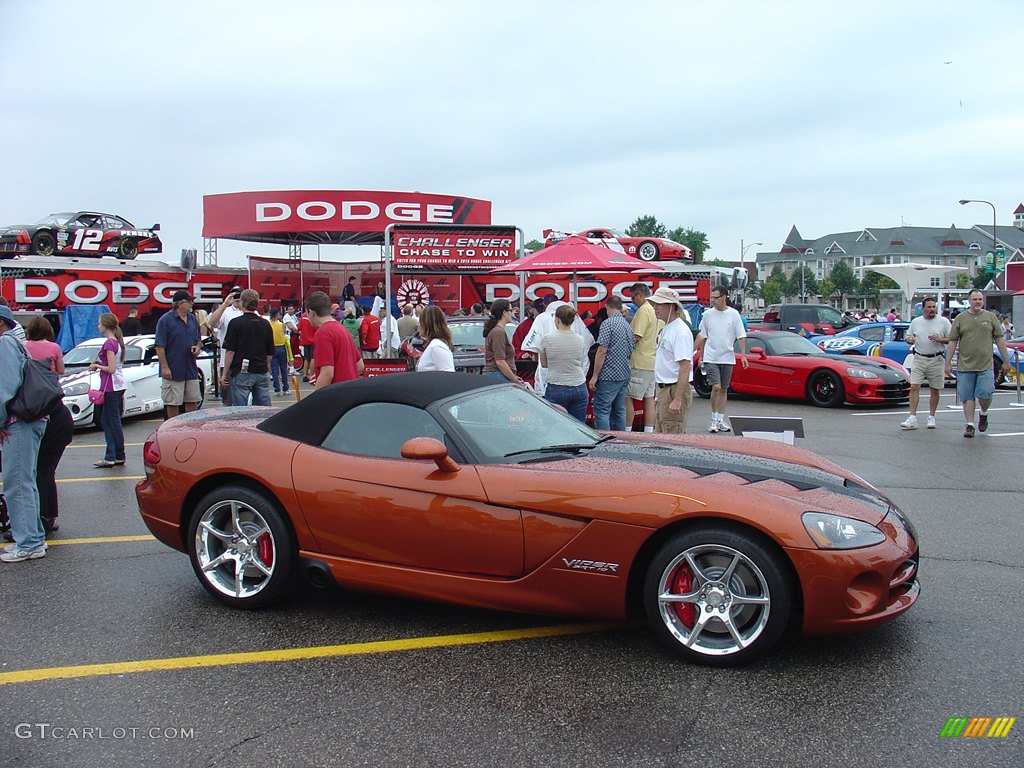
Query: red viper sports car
{"x": 457, "y": 488}
{"x": 85, "y": 233}
{"x": 783, "y": 364}
{"x": 646, "y": 248}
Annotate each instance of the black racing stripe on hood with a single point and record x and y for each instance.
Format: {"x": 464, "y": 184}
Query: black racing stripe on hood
{"x": 753, "y": 469}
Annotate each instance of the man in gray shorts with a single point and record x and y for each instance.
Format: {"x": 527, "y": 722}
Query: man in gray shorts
{"x": 721, "y": 327}
{"x": 177, "y": 345}
{"x": 929, "y": 335}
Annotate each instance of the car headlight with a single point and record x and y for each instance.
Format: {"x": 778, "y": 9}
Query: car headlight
{"x": 836, "y": 532}
{"x": 74, "y": 390}
{"x": 860, "y": 373}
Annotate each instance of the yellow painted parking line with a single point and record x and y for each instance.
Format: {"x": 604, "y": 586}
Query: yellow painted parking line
{"x": 100, "y": 540}
{"x": 297, "y": 654}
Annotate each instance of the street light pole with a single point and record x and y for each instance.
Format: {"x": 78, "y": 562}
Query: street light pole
{"x": 743, "y": 253}
{"x": 995, "y": 245}
{"x": 986, "y": 202}
{"x": 803, "y": 266}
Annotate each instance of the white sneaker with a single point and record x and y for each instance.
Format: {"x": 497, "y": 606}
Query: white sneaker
{"x": 23, "y": 554}
{"x": 13, "y": 547}
{"x": 931, "y": 422}
{"x": 910, "y": 423}
{"x": 723, "y": 427}
{"x": 713, "y": 428}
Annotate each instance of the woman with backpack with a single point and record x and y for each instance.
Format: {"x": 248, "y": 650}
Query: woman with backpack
{"x": 19, "y": 444}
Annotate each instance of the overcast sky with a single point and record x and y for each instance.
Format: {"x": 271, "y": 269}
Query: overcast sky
{"x": 739, "y": 119}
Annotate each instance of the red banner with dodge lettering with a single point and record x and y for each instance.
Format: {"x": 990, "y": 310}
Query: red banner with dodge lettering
{"x": 340, "y": 216}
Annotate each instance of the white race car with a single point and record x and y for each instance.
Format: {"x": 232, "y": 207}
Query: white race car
{"x": 141, "y": 378}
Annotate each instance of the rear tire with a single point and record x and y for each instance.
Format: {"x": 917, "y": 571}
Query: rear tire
{"x": 129, "y": 248}
{"x": 700, "y": 384}
{"x": 241, "y": 548}
{"x": 647, "y": 251}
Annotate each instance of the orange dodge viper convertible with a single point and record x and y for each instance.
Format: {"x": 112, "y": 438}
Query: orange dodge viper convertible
{"x": 460, "y": 488}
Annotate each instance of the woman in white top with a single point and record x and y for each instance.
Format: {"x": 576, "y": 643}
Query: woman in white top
{"x": 437, "y": 356}
{"x": 564, "y": 355}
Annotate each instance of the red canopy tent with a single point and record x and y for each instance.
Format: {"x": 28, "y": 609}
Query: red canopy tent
{"x": 573, "y": 255}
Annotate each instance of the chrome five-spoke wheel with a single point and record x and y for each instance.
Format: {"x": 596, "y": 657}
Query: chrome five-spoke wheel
{"x": 241, "y": 549}
{"x": 717, "y": 596}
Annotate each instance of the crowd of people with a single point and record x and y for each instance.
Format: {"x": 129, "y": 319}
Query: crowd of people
{"x": 648, "y": 358}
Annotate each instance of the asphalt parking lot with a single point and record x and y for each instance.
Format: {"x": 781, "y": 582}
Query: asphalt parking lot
{"x": 111, "y": 653}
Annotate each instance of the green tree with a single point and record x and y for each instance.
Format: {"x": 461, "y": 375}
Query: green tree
{"x": 534, "y": 245}
{"x": 981, "y": 279}
{"x": 963, "y": 279}
{"x": 804, "y": 286}
{"x": 844, "y": 281}
{"x": 826, "y": 290}
{"x": 646, "y": 226}
{"x": 874, "y": 282}
{"x": 693, "y": 239}
{"x": 771, "y": 292}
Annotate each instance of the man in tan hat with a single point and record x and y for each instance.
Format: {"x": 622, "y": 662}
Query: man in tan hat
{"x": 673, "y": 363}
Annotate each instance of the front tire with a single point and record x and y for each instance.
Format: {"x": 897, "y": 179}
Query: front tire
{"x": 43, "y": 244}
{"x": 241, "y": 548}
{"x": 825, "y": 389}
{"x": 718, "y": 596}
{"x": 647, "y": 251}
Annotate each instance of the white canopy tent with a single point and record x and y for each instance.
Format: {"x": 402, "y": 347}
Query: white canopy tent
{"x": 912, "y": 279}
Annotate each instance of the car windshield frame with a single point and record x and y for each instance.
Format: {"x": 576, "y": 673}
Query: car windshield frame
{"x": 59, "y": 219}
{"x": 788, "y": 345}
{"x": 543, "y": 426}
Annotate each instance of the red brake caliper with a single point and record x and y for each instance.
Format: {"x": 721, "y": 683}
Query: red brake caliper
{"x": 266, "y": 545}
{"x": 682, "y": 584}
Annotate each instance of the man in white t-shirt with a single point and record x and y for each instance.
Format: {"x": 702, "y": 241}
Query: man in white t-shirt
{"x": 720, "y": 328}
{"x": 673, "y": 363}
{"x": 228, "y": 310}
{"x": 542, "y": 326}
{"x": 929, "y": 335}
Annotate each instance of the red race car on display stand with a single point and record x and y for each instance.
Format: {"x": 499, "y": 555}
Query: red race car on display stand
{"x": 82, "y": 233}
{"x": 646, "y": 248}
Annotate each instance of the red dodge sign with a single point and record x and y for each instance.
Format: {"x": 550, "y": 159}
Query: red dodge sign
{"x": 349, "y": 214}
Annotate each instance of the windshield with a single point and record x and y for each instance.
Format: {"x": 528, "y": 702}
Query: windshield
{"x": 787, "y": 345}
{"x": 472, "y": 334}
{"x": 83, "y": 353}
{"x": 59, "y": 219}
{"x": 498, "y": 421}
{"x": 829, "y": 316}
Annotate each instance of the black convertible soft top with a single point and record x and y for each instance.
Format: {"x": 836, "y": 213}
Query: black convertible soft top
{"x": 313, "y": 417}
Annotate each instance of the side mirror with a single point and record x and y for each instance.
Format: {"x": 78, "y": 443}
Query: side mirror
{"x": 429, "y": 449}
{"x": 759, "y": 351}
